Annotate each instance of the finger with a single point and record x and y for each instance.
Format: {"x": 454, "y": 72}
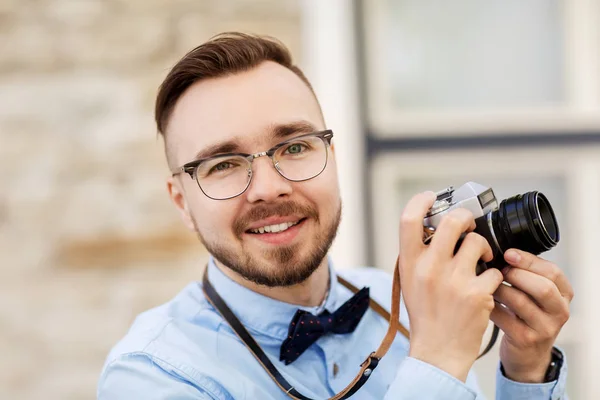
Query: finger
{"x": 452, "y": 225}
{"x": 541, "y": 289}
{"x": 527, "y": 261}
{"x": 522, "y": 306}
{"x": 473, "y": 248}
{"x": 411, "y": 225}
{"x": 490, "y": 280}
{"x": 508, "y": 322}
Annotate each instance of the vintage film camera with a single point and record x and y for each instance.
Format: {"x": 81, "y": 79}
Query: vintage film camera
{"x": 525, "y": 221}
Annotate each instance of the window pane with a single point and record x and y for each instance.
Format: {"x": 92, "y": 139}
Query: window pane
{"x": 467, "y": 53}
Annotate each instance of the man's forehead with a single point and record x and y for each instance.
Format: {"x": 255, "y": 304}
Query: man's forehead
{"x": 248, "y": 107}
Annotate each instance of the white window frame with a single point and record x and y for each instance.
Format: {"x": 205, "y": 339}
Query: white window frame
{"x": 582, "y": 70}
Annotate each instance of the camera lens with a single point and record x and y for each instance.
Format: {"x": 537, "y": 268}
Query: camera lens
{"x": 526, "y": 222}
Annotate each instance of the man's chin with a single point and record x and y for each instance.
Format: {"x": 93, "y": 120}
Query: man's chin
{"x": 289, "y": 277}
{"x": 279, "y": 268}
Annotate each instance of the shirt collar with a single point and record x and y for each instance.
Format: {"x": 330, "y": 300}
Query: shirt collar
{"x": 263, "y": 314}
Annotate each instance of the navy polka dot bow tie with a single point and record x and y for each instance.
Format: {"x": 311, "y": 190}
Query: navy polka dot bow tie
{"x": 306, "y": 328}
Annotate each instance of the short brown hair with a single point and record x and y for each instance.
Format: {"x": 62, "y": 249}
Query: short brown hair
{"x": 224, "y": 54}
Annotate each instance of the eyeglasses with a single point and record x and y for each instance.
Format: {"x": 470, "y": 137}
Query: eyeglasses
{"x": 226, "y": 176}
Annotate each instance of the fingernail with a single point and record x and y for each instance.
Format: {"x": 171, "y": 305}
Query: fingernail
{"x": 512, "y": 256}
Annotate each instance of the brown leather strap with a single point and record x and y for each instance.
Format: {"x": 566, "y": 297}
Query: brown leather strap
{"x": 376, "y": 307}
{"x": 373, "y": 359}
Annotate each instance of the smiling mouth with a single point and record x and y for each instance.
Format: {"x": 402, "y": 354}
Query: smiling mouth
{"x": 276, "y": 228}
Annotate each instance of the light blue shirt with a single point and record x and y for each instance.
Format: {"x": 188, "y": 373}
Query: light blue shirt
{"x": 185, "y": 350}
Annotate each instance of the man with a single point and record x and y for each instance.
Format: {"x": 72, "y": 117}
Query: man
{"x": 254, "y": 174}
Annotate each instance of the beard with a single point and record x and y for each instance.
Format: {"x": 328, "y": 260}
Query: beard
{"x": 283, "y": 265}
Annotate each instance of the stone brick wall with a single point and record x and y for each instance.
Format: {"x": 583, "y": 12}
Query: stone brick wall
{"x": 87, "y": 236}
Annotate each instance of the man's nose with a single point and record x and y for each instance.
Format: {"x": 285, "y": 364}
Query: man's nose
{"x": 267, "y": 184}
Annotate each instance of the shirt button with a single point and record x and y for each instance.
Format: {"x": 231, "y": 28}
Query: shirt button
{"x": 335, "y": 369}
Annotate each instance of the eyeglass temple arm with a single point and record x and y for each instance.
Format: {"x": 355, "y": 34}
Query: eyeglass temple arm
{"x": 178, "y": 170}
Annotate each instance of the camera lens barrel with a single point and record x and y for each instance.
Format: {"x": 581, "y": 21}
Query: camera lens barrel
{"x": 526, "y": 222}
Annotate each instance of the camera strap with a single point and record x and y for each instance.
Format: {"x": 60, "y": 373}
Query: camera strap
{"x": 367, "y": 366}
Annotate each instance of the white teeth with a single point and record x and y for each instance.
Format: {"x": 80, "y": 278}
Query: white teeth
{"x": 279, "y": 228}
{"x": 274, "y": 228}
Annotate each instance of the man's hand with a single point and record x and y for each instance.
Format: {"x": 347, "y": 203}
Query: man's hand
{"x": 538, "y": 307}
{"x": 448, "y": 305}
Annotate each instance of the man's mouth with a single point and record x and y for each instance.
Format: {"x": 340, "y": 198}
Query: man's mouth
{"x": 275, "y": 228}
{"x": 275, "y": 232}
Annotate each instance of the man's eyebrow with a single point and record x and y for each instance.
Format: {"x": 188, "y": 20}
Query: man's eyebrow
{"x": 230, "y": 146}
{"x": 282, "y": 131}
{"x": 278, "y": 131}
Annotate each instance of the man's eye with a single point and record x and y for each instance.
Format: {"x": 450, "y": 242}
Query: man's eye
{"x": 295, "y": 148}
{"x": 222, "y": 166}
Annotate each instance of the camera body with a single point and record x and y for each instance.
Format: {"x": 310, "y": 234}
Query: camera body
{"x": 525, "y": 221}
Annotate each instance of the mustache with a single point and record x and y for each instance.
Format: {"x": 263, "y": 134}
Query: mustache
{"x": 265, "y": 211}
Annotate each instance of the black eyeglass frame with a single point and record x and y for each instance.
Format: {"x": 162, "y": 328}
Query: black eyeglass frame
{"x": 191, "y": 167}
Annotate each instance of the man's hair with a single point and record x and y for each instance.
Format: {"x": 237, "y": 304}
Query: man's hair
{"x": 225, "y": 54}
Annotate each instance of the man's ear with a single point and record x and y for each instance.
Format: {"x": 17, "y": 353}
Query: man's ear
{"x": 176, "y": 194}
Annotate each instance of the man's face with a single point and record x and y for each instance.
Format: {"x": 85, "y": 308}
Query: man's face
{"x": 243, "y": 112}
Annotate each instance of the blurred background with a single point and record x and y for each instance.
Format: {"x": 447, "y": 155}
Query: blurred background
{"x": 422, "y": 94}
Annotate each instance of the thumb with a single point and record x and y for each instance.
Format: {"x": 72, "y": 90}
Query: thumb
{"x": 491, "y": 279}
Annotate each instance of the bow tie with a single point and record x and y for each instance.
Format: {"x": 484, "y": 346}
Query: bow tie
{"x": 306, "y": 328}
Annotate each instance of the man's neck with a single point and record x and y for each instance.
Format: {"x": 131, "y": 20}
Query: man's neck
{"x": 309, "y": 293}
